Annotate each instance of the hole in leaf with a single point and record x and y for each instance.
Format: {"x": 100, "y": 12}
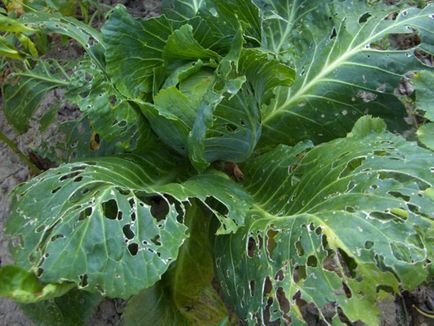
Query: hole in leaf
{"x": 299, "y": 273}
{"x": 123, "y": 191}
{"x": 267, "y": 313}
{"x": 133, "y": 248}
{"x": 364, "y": 18}
{"x": 159, "y": 208}
{"x": 348, "y": 262}
{"x": 350, "y": 209}
{"x": 279, "y": 276}
{"x": 399, "y": 195}
{"x": 231, "y": 127}
{"x": 324, "y": 242}
{"x": 129, "y": 234}
{"x": 132, "y": 203}
{"x": 312, "y": 261}
{"x": 332, "y": 35}
{"x": 85, "y": 214}
{"x": 330, "y": 263}
{"x": 55, "y": 190}
{"x": 83, "y": 280}
{"x": 69, "y": 176}
{"x": 57, "y": 236}
{"x": 413, "y": 208}
{"x": 347, "y": 290}
{"x": 283, "y": 300}
{"x": 369, "y": 244}
{"x": 252, "y": 285}
{"x": 271, "y": 244}
{"x": 299, "y": 248}
{"x": 251, "y": 246}
{"x": 267, "y": 286}
{"x": 40, "y": 228}
{"x": 383, "y": 216}
{"x": 156, "y": 240}
{"x": 110, "y": 209}
{"x": 351, "y": 166}
{"x": 39, "y": 272}
{"x": 78, "y": 179}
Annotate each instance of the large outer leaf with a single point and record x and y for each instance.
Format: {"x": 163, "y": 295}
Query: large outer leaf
{"x": 116, "y": 121}
{"x": 346, "y": 76}
{"x": 367, "y": 197}
{"x": 24, "y": 94}
{"x": 285, "y": 20}
{"x": 88, "y": 37}
{"x": 134, "y": 48}
{"x": 97, "y": 223}
{"x": 225, "y": 16}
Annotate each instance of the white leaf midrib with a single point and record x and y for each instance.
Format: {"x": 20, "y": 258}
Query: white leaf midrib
{"x": 327, "y": 69}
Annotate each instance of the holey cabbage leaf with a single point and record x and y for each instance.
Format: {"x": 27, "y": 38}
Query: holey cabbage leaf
{"x": 341, "y": 224}
{"x": 349, "y": 71}
{"x": 112, "y": 225}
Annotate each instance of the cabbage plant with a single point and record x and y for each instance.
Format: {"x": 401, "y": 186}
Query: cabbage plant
{"x": 237, "y": 161}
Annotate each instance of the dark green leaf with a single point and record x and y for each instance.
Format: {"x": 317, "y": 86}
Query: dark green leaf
{"x": 160, "y": 311}
{"x": 134, "y": 48}
{"x": 73, "y": 309}
{"x": 182, "y": 46}
{"x": 24, "y": 94}
{"x": 287, "y": 25}
{"x": 333, "y": 223}
{"x": 116, "y": 121}
{"x": 346, "y": 75}
{"x": 88, "y": 37}
{"x": 225, "y": 17}
{"x": 185, "y": 296}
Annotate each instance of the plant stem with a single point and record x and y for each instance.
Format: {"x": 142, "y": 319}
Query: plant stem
{"x": 32, "y": 167}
